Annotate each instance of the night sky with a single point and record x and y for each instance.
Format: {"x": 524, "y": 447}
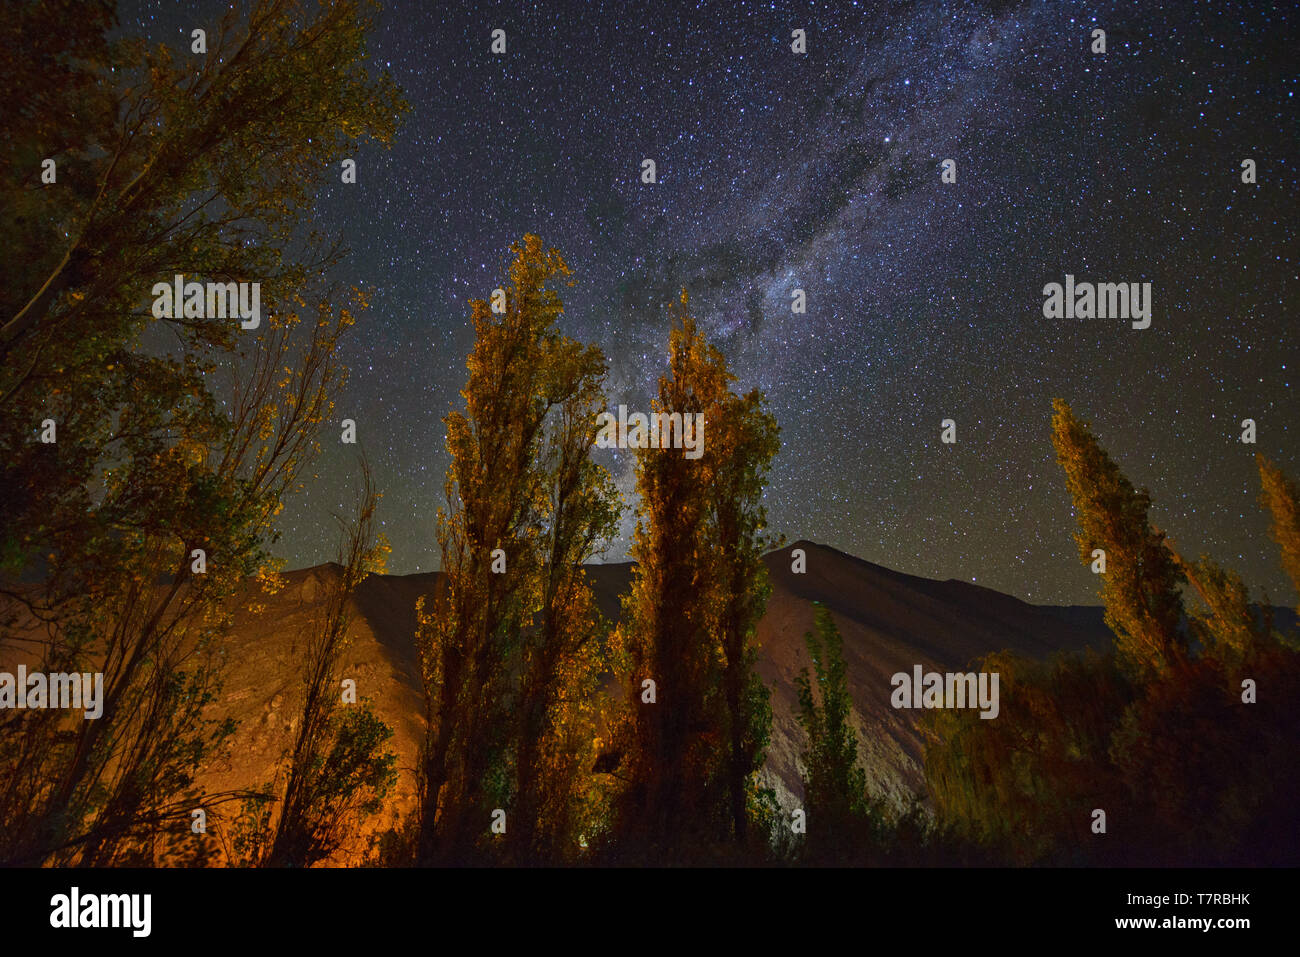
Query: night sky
{"x": 822, "y": 171}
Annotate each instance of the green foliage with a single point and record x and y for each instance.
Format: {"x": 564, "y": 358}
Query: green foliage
{"x": 841, "y": 818}
{"x": 173, "y": 434}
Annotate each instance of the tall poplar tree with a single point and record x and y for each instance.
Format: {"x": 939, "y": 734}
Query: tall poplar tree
{"x": 561, "y": 702}
{"x": 1281, "y": 497}
{"x": 689, "y": 755}
{"x": 1140, "y": 587}
{"x": 508, "y": 642}
{"x": 744, "y": 440}
{"x": 835, "y": 785}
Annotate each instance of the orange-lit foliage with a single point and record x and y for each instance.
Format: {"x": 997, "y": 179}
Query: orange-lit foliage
{"x": 688, "y": 760}
{"x": 1187, "y": 750}
{"x": 173, "y": 434}
{"x": 512, "y": 660}
{"x": 1140, "y": 586}
{"x": 1281, "y": 497}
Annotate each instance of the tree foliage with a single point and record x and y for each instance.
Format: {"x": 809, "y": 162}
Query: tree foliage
{"x": 840, "y": 815}
{"x": 511, "y": 641}
{"x": 688, "y": 761}
{"x": 1281, "y": 497}
{"x": 1140, "y": 588}
{"x": 172, "y": 434}
{"x": 1175, "y": 740}
{"x": 338, "y": 772}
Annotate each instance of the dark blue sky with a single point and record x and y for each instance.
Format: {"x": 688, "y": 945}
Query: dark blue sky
{"x": 822, "y": 172}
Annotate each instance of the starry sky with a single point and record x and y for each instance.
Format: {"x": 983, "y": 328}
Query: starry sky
{"x": 822, "y": 172}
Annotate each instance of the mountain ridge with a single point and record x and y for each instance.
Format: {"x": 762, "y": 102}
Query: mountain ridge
{"x": 890, "y": 622}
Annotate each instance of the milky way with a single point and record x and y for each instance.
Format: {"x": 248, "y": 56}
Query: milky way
{"x": 822, "y": 172}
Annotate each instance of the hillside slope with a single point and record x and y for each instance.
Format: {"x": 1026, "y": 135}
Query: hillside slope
{"x": 890, "y": 622}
